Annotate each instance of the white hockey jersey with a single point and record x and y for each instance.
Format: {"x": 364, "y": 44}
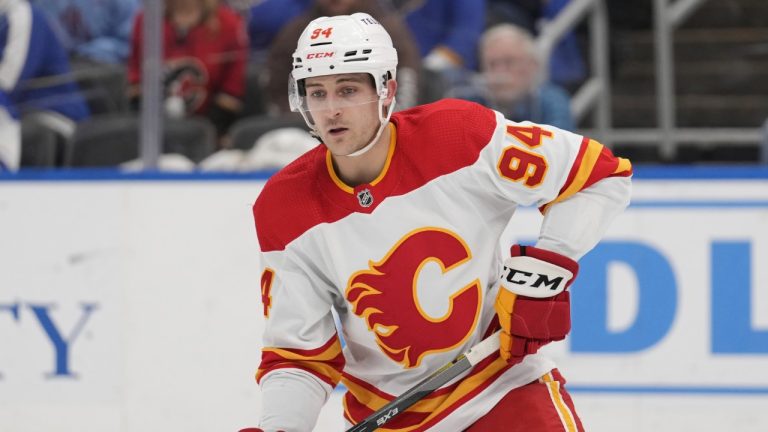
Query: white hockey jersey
{"x": 410, "y": 261}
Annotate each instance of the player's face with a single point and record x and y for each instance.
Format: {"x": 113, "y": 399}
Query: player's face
{"x": 345, "y": 110}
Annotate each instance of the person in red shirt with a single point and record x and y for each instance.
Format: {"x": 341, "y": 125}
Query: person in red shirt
{"x": 205, "y": 48}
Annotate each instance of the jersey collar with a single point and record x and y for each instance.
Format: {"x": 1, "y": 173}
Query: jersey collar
{"x": 365, "y": 197}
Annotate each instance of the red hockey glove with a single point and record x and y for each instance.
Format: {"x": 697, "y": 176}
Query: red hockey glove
{"x": 533, "y": 305}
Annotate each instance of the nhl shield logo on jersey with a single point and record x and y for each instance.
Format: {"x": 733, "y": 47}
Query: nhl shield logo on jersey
{"x": 365, "y": 198}
{"x": 386, "y": 295}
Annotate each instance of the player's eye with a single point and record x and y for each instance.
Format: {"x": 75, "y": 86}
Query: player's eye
{"x": 317, "y": 94}
{"x": 348, "y": 91}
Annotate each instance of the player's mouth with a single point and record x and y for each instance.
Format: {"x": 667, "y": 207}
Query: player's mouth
{"x": 337, "y": 131}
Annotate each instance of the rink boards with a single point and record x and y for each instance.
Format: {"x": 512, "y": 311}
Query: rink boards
{"x": 132, "y": 304}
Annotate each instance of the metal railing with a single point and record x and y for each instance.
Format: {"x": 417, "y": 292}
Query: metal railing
{"x": 764, "y": 144}
{"x": 151, "y": 86}
{"x": 595, "y": 92}
{"x": 667, "y": 17}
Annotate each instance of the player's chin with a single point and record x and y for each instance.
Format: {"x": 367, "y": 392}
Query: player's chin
{"x": 338, "y": 147}
{"x": 342, "y": 142}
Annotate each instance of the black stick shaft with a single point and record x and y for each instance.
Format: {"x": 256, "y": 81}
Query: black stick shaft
{"x": 433, "y": 382}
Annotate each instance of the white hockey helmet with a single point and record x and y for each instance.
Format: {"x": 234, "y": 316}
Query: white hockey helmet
{"x": 341, "y": 44}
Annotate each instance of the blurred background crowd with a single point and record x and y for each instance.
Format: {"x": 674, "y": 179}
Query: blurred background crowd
{"x": 71, "y": 75}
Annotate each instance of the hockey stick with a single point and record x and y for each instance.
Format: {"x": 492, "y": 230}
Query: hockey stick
{"x": 431, "y": 383}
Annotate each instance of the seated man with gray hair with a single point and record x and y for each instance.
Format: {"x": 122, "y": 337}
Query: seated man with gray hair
{"x": 511, "y": 80}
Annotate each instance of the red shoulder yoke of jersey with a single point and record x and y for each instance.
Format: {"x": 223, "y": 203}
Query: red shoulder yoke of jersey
{"x": 432, "y": 140}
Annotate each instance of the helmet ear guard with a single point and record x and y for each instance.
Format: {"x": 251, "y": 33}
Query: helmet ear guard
{"x": 384, "y": 90}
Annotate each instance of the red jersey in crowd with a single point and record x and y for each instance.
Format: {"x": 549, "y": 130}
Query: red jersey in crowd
{"x": 207, "y": 59}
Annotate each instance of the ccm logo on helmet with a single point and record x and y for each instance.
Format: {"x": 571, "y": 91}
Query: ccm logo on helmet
{"x": 319, "y": 55}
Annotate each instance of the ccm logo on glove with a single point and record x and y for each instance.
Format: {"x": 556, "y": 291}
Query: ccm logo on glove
{"x": 532, "y": 277}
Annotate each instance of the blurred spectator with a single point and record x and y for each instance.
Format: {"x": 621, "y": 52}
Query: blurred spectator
{"x": 446, "y": 32}
{"x": 35, "y": 77}
{"x": 279, "y": 61}
{"x": 206, "y": 50}
{"x": 265, "y": 19}
{"x": 566, "y": 62}
{"x": 94, "y": 30}
{"x": 510, "y": 80}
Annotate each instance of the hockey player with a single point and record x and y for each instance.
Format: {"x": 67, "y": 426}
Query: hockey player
{"x": 394, "y": 222}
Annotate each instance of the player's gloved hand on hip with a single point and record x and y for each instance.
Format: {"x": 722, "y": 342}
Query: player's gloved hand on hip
{"x": 533, "y": 305}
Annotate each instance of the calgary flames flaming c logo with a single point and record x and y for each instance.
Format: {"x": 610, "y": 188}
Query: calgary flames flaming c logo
{"x": 385, "y": 295}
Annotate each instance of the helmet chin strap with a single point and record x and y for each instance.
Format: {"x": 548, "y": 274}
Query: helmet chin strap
{"x": 384, "y": 122}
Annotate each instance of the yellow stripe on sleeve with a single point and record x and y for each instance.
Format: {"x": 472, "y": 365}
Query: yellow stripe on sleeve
{"x": 624, "y": 166}
{"x": 588, "y": 161}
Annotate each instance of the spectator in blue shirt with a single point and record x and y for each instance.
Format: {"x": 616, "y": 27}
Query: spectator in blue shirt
{"x": 567, "y": 67}
{"x": 94, "y": 30}
{"x": 522, "y": 13}
{"x": 35, "y": 76}
{"x": 446, "y": 31}
{"x": 266, "y": 18}
{"x": 511, "y": 80}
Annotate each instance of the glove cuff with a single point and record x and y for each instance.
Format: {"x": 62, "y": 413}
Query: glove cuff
{"x": 537, "y": 273}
